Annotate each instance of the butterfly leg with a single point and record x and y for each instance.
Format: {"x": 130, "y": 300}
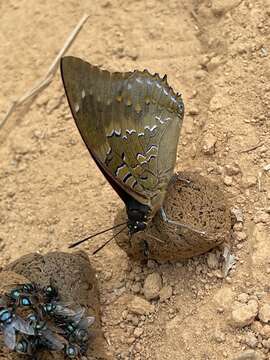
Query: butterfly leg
{"x": 178, "y": 177}
{"x": 145, "y": 249}
{"x": 176, "y": 223}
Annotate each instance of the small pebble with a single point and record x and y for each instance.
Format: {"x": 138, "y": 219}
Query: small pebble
{"x": 249, "y": 181}
{"x": 243, "y": 298}
{"x": 220, "y": 7}
{"x": 251, "y": 340}
{"x": 152, "y": 286}
{"x": 136, "y": 288}
{"x": 240, "y": 235}
{"x": 248, "y": 355}
{"x": 261, "y": 217}
{"x": 130, "y": 340}
{"x": 256, "y": 327}
{"x": 238, "y": 226}
{"x": 266, "y": 343}
{"x": 264, "y": 313}
{"x": 138, "y": 332}
{"x": 245, "y": 314}
{"x": 232, "y": 170}
{"x": 215, "y": 103}
{"x": 219, "y": 336}
{"x": 238, "y": 214}
{"x": 165, "y": 293}
{"x": 209, "y": 144}
{"x": 140, "y": 306}
{"x": 228, "y": 180}
{"x": 265, "y": 331}
{"x": 193, "y": 111}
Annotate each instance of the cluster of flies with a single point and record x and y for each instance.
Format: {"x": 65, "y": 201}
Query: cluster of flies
{"x": 32, "y": 319}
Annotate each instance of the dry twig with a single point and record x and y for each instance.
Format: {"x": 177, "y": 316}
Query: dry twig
{"x": 254, "y": 147}
{"x": 47, "y": 79}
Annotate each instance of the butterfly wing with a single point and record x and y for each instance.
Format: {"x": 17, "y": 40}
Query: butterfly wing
{"x": 130, "y": 123}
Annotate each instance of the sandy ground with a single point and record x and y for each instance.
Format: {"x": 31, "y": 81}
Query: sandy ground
{"x": 216, "y": 53}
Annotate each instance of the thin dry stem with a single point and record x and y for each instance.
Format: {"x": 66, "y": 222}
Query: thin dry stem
{"x": 47, "y": 79}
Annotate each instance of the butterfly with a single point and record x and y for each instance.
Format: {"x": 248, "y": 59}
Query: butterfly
{"x": 130, "y": 122}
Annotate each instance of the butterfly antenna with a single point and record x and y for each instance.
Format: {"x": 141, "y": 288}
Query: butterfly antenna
{"x": 96, "y": 234}
{"x": 107, "y": 242}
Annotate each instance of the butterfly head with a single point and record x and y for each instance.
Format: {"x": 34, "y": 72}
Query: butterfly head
{"x": 138, "y": 216}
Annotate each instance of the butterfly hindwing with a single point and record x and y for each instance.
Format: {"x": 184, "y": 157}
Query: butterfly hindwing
{"x": 130, "y": 123}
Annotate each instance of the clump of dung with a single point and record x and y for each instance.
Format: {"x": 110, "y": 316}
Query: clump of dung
{"x": 192, "y": 200}
{"x": 76, "y": 298}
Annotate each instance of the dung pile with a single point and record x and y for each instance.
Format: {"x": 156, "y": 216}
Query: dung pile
{"x": 75, "y": 280}
{"x": 192, "y": 200}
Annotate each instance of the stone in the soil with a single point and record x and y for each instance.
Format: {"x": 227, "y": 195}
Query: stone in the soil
{"x": 216, "y": 103}
{"x": 152, "y": 286}
{"x": 243, "y": 298}
{"x": 193, "y": 111}
{"x": 245, "y": 314}
{"x": 140, "y": 306}
{"x": 228, "y": 181}
{"x": 251, "y": 340}
{"x": 238, "y": 227}
{"x": 264, "y": 313}
{"x": 265, "y": 331}
{"x": 136, "y": 288}
{"x": 256, "y": 327}
{"x": 266, "y": 344}
{"x": 248, "y": 355}
{"x": 220, "y": 7}
{"x": 219, "y": 336}
{"x": 209, "y": 144}
{"x": 232, "y": 170}
{"x": 138, "y": 332}
{"x": 165, "y": 293}
{"x": 224, "y": 298}
{"x": 240, "y": 235}
{"x": 261, "y": 217}
{"x": 249, "y": 181}
{"x": 238, "y": 214}
{"x": 214, "y": 63}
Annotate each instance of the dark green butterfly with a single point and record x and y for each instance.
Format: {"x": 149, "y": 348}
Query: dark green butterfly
{"x": 130, "y": 123}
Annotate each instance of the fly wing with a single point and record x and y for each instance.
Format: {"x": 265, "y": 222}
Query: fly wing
{"x": 78, "y": 315}
{"x": 86, "y": 322}
{"x": 23, "y": 326}
{"x": 130, "y": 124}
{"x": 10, "y": 336}
{"x": 56, "y": 342}
{"x": 63, "y": 310}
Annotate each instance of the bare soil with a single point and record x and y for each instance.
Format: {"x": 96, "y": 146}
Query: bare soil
{"x": 216, "y": 53}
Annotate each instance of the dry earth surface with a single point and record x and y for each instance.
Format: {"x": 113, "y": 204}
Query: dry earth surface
{"x": 217, "y": 54}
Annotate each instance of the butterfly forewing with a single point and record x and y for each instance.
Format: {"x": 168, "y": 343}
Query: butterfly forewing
{"x": 130, "y": 123}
